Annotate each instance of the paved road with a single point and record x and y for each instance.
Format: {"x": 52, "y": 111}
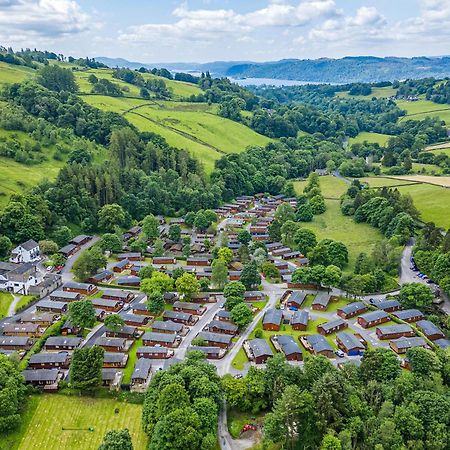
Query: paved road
{"x": 66, "y": 273}
{"x": 12, "y": 306}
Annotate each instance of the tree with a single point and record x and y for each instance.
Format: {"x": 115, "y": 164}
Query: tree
{"x": 150, "y": 227}
{"x": 332, "y": 276}
{"x": 117, "y": 440}
{"x": 317, "y": 204}
{"x": 304, "y": 213}
{"x": 241, "y": 315}
{"x": 380, "y": 365}
{"x": 250, "y": 276}
{"x": 113, "y": 322}
{"x": 423, "y": 362}
{"x": 187, "y": 284}
{"x": 234, "y": 289}
{"x": 155, "y": 303}
{"x": 219, "y": 273}
{"x": 146, "y": 272}
{"x": 293, "y": 418}
{"x": 175, "y": 232}
{"x": 201, "y": 222}
{"x": 82, "y": 314}
{"x": 89, "y": 263}
{"x": 158, "y": 248}
{"x": 5, "y": 246}
{"x": 189, "y": 218}
{"x": 415, "y": 295}
{"x": 111, "y": 242}
{"x": 232, "y": 301}
{"x": 58, "y": 259}
{"x": 158, "y": 282}
{"x": 86, "y": 368}
{"x": 330, "y": 442}
{"x": 226, "y": 255}
{"x": 244, "y": 237}
{"x": 110, "y": 217}
{"x": 305, "y": 240}
{"x": 12, "y": 394}
{"x": 57, "y": 78}
{"x": 288, "y": 230}
{"x": 62, "y": 235}
{"x": 46, "y": 247}
{"x": 270, "y": 270}
{"x": 284, "y": 212}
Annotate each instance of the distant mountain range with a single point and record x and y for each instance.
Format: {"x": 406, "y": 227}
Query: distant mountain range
{"x": 326, "y": 70}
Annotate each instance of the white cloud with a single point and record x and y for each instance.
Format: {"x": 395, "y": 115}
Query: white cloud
{"x": 213, "y": 24}
{"x": 21, "y": 20}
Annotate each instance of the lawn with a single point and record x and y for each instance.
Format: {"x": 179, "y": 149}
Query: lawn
{"x": 240, "y": 360}
{"x": 332, "y": 224}
{"x": 5, "y": 300}
{"x": 24, "y": 301}
{"x": 132, "y": 358}
{"x": 62, "y": 422}
{"x": 330, "y": 186}
{"x": 438, "y": 151}
{"x": 376, "y": 138}
{"x": 376, "y": 182}
{"x": 382, "y": 92}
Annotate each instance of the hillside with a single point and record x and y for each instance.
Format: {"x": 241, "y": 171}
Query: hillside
{"x": 345, "y": 70}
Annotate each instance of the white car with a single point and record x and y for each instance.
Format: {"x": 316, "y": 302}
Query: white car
{"x": 126, "y": 307}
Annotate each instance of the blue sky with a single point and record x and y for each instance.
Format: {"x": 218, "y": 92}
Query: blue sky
{"x": 206, "y": 30}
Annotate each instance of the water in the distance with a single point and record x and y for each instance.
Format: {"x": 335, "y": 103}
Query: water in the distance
{"x": 269, "y": 82}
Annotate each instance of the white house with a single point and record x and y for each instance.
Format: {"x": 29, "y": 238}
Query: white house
{"x": 29, "y": 251}
{"x": 18, "y": 278}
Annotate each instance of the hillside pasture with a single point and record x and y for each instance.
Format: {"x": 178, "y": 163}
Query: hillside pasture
{"x": 377, "y": 92}
{"x": 330, "y": 186}
{"x": 10, "y": 73}
{"x": 421, "y": 109}
{"x": 376, "y": 138}
{"x": 61, "y": 421}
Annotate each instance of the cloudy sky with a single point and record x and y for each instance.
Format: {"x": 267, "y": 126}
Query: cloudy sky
{"x": 207, "y": 30}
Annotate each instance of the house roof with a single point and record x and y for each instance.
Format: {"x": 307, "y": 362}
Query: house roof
{"x": 393, "y": 329}
{"x": 41, "y": 375}
{"x": 300, "y": 317}
{"x": 374, "y": 315}
{"x": 151, "y": 349}
{"x": 442, "y": 343}
{"x": 318, "y": 343}
{"x": 297, "y": 297}
{"x": 116, "y": 293}
{"x": 63, "y": 341}
{"x": 49, "y": 357}
{"x": 67, "y": 248}
{"x": 110, "y": 342}
{"x": 332, "y": 324}
{"x": 227, "y": 326}
{"x": 113, "y": 357}
{"x": 352, "y": 308}
{"x": 51, "y": 304}
{"x": 105, "y": 302}
{"x": 121, "y": 263}
{"x": 130, "y": 279}
{"x": 10, "y": 341}
{"x": 215, "y": 337}
{"x": 273, "y": 316}
{"x": 109, "y": 374}
{"x": 75, "y": 285}
{"x": 224, "y": 314}
{"x": 260, "y": 347}
{"x": 187, "y": 305}
{"x": 385, "y": 304}
{"x": 65, "y": 294}
{"x": 409, "y": 342}
{"x": 134, "y": 318}
{"x": 159, "y": 337}
{"x": 177, "y": 315}
{"x": 349, "y": 340}
{"x": 288, "y": 344}
{"x": 408, "y": 314}
{"x": 167, "y": 325}
{"x": 29, "y": 245}
{"x": 79, "y": 239}
{"x": 429, "y": 328}
{"x": 142, "y": 369}
{"x": 322, "y": 298}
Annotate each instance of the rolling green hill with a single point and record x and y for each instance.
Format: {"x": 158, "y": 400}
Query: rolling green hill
{"x": 191, "y": 126}
{"x": 13, "y": 74}
{"x": 420, "y": 109}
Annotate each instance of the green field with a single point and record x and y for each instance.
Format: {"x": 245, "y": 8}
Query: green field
{"x": 376, "y": 138}
{"x": 191, "y": 126}
{"x": 179, "y": 89}
{"x": 438, "y": 151}
{"x": 330, "y": 186}
{"x": 55, "y": 412}
{"x": 424, "y": 108}
{"x": 14, "y": 74}
{"x": 383, "y": 92}
{"x": 432, "y": 201}
{"x": 5, "y": 301}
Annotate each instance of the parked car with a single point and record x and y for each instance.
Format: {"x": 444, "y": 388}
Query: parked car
{"x": 340, "y": 353}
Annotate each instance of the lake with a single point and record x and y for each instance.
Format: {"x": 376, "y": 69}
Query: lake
{"x": 270, "y": 82}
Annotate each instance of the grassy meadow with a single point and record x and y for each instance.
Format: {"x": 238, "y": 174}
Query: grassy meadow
{"x": 420, "y": 109}
{"x": 358, "y": 237}
{"x": 59, "y": 422}
{"x": 377, "y": 138}
{"x": 14, "y": 74}
{"x": 381, "y": 92}
{"x": 431, "y": 200}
